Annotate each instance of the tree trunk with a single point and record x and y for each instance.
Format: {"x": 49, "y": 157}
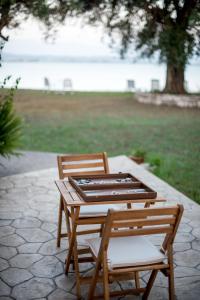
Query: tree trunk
{"x": 175, "y": 80}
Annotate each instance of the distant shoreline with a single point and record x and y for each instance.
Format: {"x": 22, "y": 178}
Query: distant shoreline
{"x": 8, "y": 57}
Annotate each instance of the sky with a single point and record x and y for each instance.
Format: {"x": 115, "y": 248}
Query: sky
{"x": 72, "y": 39}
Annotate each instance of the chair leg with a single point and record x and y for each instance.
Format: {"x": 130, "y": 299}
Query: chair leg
{"x": 137, "y": 280}
{"x": 68, "y": 225}
{"x": 94, "y": 280}
{"x": 72, "y": 239}
{"x": 105, "y": 278}
{"x": 76, "y": 267}
{"x": 69, "y": 231}
{"x": 150, "y": 284}
{"x": 59, "y": 222}
{"x": 171, "y": 285}
{"x": 171, "y": 275}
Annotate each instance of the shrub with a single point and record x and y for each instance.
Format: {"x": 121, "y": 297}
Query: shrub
{"x": 138, "y": 153}
{"x": 10, "y": 124}
{"x": 155, "y": 163}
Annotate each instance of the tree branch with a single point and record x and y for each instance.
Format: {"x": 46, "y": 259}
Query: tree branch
{"x": 5, "y": 38}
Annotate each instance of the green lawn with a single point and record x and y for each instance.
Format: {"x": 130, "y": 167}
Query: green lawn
{"x": 116, "y": 123}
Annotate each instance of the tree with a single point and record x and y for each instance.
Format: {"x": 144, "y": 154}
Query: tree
{"x": 10, "y": 124}
{"x": 169, "y": 27}
{"x": 13, "y": 12}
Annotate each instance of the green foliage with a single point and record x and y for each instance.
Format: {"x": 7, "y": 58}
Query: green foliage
{"x": 155, "y": 162}
{"x": 10, "y": 124}
{"x": 138, "y": 152}
{"x": 90, "y": 122}
{"x": 166, "y": 29}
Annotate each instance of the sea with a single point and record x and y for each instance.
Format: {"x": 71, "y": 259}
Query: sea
{"x": 93, "y": 76}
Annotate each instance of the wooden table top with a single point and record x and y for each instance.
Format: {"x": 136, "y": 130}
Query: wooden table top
{"x": 72, "y": 198}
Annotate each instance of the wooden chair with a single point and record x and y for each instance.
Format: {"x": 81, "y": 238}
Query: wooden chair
{"x": 127, "y": 250}
{"x": 80, "y": 164}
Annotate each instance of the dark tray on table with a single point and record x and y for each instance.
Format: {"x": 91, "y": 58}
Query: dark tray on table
{"x": 111, "y": 186}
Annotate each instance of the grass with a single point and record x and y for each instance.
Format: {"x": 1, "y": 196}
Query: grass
{"x": 116, "y": 123}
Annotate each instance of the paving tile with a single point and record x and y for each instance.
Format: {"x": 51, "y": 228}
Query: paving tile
{"x": 50, "y": 248}
{"x": 184, "y": 237}
{"x": 40, "y": 198}
{"x": 14, "y": 276}
{"x": 33, "y": 288}
{"x": 179, "y": 247}
{"x": 189, "y": 258}
{"x": 186, "y": 281}
{"x": 3, "y": 264}
{"x": 196, "y": 232}
{"x": 10, "y": 215}
{"x": 184, "y": 227}
{"x": 6, "y": 230}
{"x": 31, "y": 208}
{"x": 13, "y": 240}
{"x": 158, "y": 294}
{"x": 5, "y": 222}
{"x": 4, "y": 289}
{"x": 16, "y": 193}
{"x": 65, "y": 282}
{"x": 59, "y": 294}
{"x": 34, "y": 235}
{"x": 62, "y": 256}
{"x": 22, "y": 183}
{"x": 50, "y": 215}
{"x": 50, "y": 227}
{"x": 49, "y": 267}
{"x": 7, "y": 252}
{"x": 196, "y": 245}
{"x": 24, "y": 260}
{"x": 29, "y": 248}
{"x": 189, "y": 292}
{"x": 186, "y": 271}
{"x": 5, "y": 184}
{"x": 31, "y": 213}
{"x": 28, "y": 222}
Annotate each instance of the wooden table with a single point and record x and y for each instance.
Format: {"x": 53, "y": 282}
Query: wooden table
{"x": 73, "y": 202}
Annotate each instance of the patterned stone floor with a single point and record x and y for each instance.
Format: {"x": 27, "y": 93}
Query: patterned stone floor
{"x": 31, "y": 267}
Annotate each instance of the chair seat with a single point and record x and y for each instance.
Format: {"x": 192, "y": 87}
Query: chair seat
{"x": 97, "y": 210}
{"x": 128, "y": 251}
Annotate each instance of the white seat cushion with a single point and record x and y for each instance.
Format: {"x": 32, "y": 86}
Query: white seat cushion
{"x": 97, "y": 210}
{"x": 128, "y": 251}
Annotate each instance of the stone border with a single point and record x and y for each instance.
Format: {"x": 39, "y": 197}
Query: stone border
{"x": 183, "y": 101}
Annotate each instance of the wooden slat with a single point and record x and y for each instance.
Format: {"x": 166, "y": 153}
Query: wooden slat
{"x": 139, "y": 268}
{"x": 75, "y": 196}
{"x": 83, "y": 259}
{"x": 84, "y": 172}
{"x": 88, "y": 279}
{"x": 141, "y": 213}
{"x": 144, "y": 222}
{"x": 92, "y": 220}
{"x": 68, "y": 186}
{"x": 80, "y": 157}
{"x": 88, "y": 231}
{"x": 83, "y": 166}
{"x": 142, "y": 231}
{"x": 124, "y": 292}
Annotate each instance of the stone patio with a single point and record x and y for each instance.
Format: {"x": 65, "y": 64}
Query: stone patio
{"x": 31, "y": 267}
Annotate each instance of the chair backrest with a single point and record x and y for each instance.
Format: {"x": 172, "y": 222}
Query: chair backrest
{"x": 146, "y": 221}
{"x": 82, "y": 164}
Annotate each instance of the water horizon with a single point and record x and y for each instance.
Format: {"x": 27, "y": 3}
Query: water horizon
{"x": 94, "y": 75}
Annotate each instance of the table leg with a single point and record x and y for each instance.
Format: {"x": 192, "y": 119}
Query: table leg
{"x": 74, "y": 216}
